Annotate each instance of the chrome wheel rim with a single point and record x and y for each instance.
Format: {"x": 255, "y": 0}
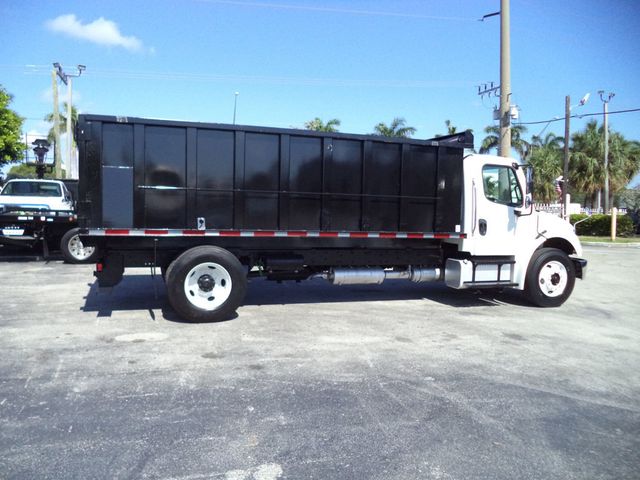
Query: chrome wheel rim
{"x": 78, "y": 250}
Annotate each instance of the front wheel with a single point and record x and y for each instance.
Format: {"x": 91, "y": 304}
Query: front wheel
{"x": 550, "y": 278}
{"x": 74, "y": 251}
{"x": 206, "y": 284}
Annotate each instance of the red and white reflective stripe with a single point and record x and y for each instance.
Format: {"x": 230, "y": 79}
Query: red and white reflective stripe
{"x": 119, "y": 232}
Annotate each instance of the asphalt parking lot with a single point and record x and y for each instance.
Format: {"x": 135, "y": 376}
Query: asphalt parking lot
{"x": 398, "y": 381}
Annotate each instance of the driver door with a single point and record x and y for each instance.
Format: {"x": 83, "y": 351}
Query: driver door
{"x": 497, "y": 199}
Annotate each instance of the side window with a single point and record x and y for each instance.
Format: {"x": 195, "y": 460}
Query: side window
{"x": 501, "y": 185}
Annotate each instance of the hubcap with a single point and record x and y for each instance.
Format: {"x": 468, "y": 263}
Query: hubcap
{"x": 553, "y": 279}
{"x": 78, "y": 250}
{"x": 207, "y": 285}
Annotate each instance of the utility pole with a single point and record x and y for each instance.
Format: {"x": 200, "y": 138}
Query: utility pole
{"x": 57, "y": 158}
{"x": 565, "y": 171}
{"x": 72, "y": 171}
{"x": 504, "y": 149}
{"x": 606, "y": 101}
{"x": 567, "y": 134}
{"x": 505, "y": 81}
{"x": 235, "y": 105}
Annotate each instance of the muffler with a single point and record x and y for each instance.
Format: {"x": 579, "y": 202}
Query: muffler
{"x": 375, "y": 276}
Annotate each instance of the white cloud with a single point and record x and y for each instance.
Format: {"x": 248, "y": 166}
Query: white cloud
{"x": 100, "y": 31}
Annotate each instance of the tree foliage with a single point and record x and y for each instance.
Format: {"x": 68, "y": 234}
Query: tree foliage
{"x": 451, "y": 129}
{"x": 62, "y": 121}
{"x": 319, "y": 126}
{"x": 518, "y": 143}
{"x": 397, "y": 128}
{"x": 23, "y": 170}
{"x": 546, "y": 157}
{"x": 587, "y": 172}
{"x": 11, "y": 145}
{"x": 629, "y": 198}
{"x": 586, "y": 164}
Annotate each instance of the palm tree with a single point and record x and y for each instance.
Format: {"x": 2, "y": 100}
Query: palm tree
{"x": 587, "y": 160}
{"x": 586, "y": 163}
{"x": 62, "y": 123}
{"x": 396, "y": 129}
{"x": 62, "y": 126}
{"x": 518, "y": 143}
{"x": 550, "y": 140}
{"x": 451, "y": 130}
{"x": 624, "y": 161}
{"x": 545, "y": 155}
{"x": 319, "y": 126}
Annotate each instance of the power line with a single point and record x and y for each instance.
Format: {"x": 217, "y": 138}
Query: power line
{"x": 253, "y": 79}
{"x": 580, "y": 115}
{"x": 380, "y": 13}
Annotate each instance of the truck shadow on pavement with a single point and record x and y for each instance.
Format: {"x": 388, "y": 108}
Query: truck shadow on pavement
{"x": 144, "y": 293}
{"x": 10, "y": 253}
{"x": 262, "y": 292}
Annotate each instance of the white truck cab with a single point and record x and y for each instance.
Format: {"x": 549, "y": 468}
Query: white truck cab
{"x": 34, "y": 194}
{"x": 508, "y": 242}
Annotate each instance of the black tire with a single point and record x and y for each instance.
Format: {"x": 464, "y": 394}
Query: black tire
{"x": 73, "y": 250}
{"x": 163, "y": 272}
{"x": 206, "y": 284}
{"x": 550, "y": 279}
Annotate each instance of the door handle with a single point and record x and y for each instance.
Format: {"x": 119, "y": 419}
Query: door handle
{"x": 482, "y": 226}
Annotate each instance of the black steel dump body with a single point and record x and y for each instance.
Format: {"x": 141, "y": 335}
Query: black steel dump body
{"x": 153, "y": 174}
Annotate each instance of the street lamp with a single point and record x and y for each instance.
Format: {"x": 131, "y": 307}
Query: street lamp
{"x": 235, "y": 105}
{"x": 41, "y": 147}
{"x": 606, "y": 101}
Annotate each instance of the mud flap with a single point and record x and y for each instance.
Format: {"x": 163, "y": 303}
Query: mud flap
{"x": 109, "y": 270}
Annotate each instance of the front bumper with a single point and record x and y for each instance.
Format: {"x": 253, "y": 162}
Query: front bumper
{"x": 580, "y": 265}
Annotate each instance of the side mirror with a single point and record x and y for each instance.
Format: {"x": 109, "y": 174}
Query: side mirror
{"x": 527, "y": 208}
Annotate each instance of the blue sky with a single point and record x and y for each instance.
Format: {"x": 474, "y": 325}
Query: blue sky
{"x": 360, "y": 61}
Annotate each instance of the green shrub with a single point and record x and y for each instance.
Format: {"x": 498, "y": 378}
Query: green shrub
{"x": 599, "y": 225}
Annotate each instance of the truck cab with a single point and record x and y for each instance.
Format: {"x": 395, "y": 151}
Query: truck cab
{"x": 33, "y": 195}
{"x": 506, "y": 236}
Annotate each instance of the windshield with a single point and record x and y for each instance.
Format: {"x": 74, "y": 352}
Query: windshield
{"x": 32, "y": 189}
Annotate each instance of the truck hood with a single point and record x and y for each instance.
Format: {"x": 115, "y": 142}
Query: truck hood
{"x": 550, "y": 226}
{"x": 31, "y": 203}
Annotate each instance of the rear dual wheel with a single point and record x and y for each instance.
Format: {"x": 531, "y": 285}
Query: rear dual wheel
{"x": 206, "y": 284}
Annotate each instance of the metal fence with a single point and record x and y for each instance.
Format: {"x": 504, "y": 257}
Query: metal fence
{"x": 556, "y": 209}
